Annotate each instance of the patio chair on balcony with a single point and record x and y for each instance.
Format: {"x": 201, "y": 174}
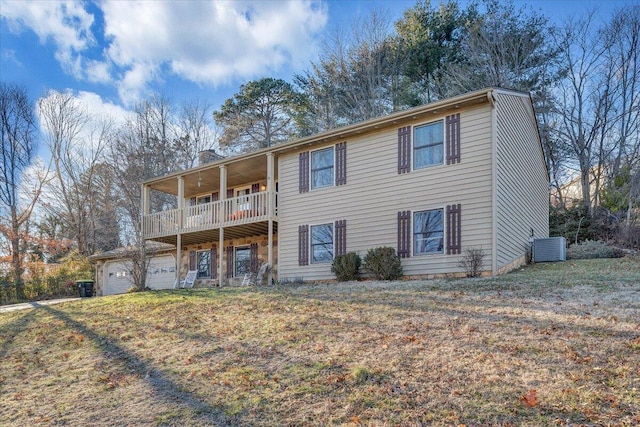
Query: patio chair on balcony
{"x": 188, "y": 281}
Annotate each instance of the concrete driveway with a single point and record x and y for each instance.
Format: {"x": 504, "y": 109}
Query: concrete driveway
{"x": 34, "y": 304}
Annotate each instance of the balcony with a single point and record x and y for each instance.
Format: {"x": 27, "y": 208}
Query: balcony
{"x": 250, "y": 209}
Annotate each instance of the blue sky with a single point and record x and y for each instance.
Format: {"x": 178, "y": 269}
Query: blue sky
{"x": 112, "y": 53}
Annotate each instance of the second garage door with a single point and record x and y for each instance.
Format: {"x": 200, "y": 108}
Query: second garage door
{"x": 161, "y": 274}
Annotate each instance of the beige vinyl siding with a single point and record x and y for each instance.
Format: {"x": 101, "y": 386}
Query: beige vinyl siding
{"x": 375, "y": 192}
{"x": 522, "y": 184}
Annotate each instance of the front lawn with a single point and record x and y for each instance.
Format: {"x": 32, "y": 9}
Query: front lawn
{"x": 552, "y": 344}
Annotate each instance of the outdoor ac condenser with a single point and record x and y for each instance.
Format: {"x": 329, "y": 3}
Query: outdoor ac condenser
{"x": 550, "y": 249}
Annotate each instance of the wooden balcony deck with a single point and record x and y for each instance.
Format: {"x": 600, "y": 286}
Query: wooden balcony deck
{"x": 236, "y": 211}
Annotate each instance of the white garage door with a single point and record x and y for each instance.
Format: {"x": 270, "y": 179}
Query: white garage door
{"x": 161, "y": 274}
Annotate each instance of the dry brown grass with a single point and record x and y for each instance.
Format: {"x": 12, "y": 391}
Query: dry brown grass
{"x": 461, "y": 352}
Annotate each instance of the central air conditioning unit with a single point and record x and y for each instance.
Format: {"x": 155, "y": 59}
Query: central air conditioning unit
{"x": 550, "y": 249}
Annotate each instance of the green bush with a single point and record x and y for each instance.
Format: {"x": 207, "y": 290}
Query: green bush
{"x": 346, "y": 267}
{"x": 593, "y": 249}
{"x": 383, "y": 263}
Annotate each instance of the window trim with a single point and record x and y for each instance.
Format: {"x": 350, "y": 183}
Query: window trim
{"x": 203, "y": 197}
{"x": 208, "y": 275}
{"x": 333, "y": 167}
{"x": 311, "y": 245}
{"x": 442, "y": 209}
{"x": 413, "y": 144}
{"x": 235, "y": 259}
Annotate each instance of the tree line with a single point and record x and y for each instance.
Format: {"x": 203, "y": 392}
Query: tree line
{"x": 583, "y": 76}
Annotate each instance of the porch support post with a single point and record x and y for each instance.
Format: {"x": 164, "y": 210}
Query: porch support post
{"x": 223, "y": 218}
{"x": 146, "y": 200}
{"x": 178, "y": 258}
{"x": 145, "y": 206}
{"x": 270, "y": 203}
{"x": 179, "y": 228}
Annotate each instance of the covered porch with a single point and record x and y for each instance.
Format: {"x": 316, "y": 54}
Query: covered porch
{"x": 226, "y": 199}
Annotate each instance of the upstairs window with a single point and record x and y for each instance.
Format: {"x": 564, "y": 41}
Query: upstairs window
{"x": 428, "y": 145}
{"x": 322, "y": 168}
{"x": 326, "y": 167}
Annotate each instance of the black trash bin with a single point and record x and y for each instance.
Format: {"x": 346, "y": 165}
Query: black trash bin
{"x": 85, "y": 288}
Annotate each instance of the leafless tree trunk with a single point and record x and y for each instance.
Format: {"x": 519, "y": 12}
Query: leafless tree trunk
{"x": 504, "y": 47}
{"x": 17, "y": 128}
{"x": 622, "y": 37}
{"x": 584, "y": 104}
{"x": 357, "y": 77}
{"x": 141, "y": 150}
{"x": 195, "y": 132}
{"x": 77, "y": 142}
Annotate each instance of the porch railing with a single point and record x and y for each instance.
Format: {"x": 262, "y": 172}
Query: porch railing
{"x": 245, "y": 209}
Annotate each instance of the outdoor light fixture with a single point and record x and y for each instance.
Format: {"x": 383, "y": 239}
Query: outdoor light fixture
{"x": 199, "y": 180}
{"x": 263, "y": 187}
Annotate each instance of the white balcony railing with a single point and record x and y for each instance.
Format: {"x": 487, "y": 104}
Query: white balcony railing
{"x": 245, "y": 209}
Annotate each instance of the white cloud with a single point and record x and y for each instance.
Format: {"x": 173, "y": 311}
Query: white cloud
{"x": 65, "y": 23}
{"x": 213, "y": 43}
{"x": 101, "y": 108}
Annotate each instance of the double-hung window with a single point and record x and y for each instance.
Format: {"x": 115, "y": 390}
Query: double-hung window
{"x": 204, "y": 264}
{"x": 201, "y": 200}
{"x": 428, "y": 232}
{"x": 242, "y": 261}
{"x": 322, "y": 243}
{"x": 322, "y": 168}
{"x": 428, "y": 145}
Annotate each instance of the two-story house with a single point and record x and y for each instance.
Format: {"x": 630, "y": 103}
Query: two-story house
{"x": 464, "y": 172}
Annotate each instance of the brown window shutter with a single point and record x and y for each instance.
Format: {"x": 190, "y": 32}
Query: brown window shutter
{"x": 303, "y": 245}
{"x": 454, "y": 226}
{"x": 213, "y": 263}
{"x": 453, "y": 139}
{"x": 215, "y": 196}
{"x": 303, "y": 172}
{"x": 404, "y": 234}
{"x": 404, "y": 149}
{"x": 341, "y": 163}
{"x": 229, "y": 253}
{"x": 229, "y": 193}
{"x": 192, "y": 260}
{"x": 340, "y": 238}
{"x": 255, "y": 188}
{"x": 254, "y": 257}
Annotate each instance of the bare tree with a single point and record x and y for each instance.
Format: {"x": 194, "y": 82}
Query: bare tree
{"x": 77, "y": 142}
{"x": 143, "y": 149}
{"x": 17, "y": 128}
{"x": 504, "y": 47}
{"x": 358, "y": 77}
{"x": 584, "y": 102}
{"x": 622, "y": 39}
{"x": 194, "y": 131}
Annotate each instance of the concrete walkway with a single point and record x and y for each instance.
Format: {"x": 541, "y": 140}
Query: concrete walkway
{"x": 34, "y": 304}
